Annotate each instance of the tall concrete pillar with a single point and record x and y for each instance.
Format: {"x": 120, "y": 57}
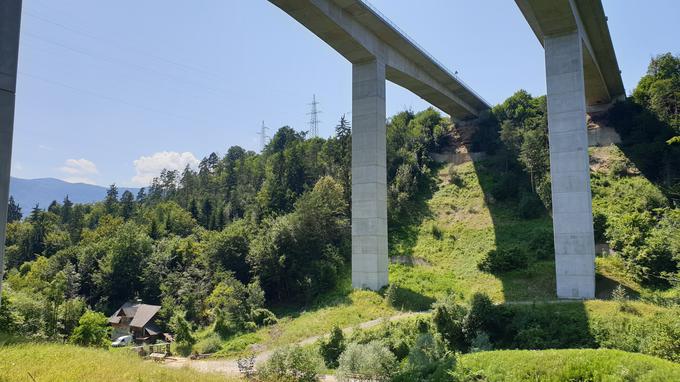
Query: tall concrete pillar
{"x": 10, "y": 16}
{"x": 569, "y": 167}
{"x": 369, "y": 176}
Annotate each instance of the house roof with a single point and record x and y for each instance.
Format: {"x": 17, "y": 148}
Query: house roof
{"x": 144, "y": 314}
{"x": 152, "y": 329}
{"x": 141, "y": 314}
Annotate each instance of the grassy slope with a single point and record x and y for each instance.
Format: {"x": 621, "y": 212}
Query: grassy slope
{"x": 568, "y": 365}
{"x": 471, "y": 228}
{"x": 55, "y": 362}
{"x": 344, "y": 308}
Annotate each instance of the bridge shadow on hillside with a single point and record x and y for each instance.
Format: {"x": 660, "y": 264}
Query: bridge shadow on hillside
{"x": 526, "y": 243}
{"x": 532, "y": 317}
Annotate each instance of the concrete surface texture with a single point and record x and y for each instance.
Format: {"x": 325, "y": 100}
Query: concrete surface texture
{"x": 369, "y": 176}
{"x": 10, "y": 17}
{"x": 569, "y": 170}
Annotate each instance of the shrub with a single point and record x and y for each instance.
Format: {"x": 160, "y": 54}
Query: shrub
{"x": 330, "y": 350}
{"x": 428, "y": 360}
{"x": 184, "y": 340}
{"x": 530, "y": 206}
{"x": 454, "y": 177}
{"x": 92, "y": 330}
{"x": 505, "y": 188}
{"x": 372, "y": 361}
{"x": 264, "y": 317}
{"x": 481, "y": 310}
{"x": 436, "y": 231}
{"x": 208, "y": 345}
{"x": 448, "y": 320}
{"x": 599, "y": 226}
{"x": 542, "y": 243}
{"x": 504, "y": 260}
{"x": 481, "y": 342}
{"x": 406, "y": 299}
{"x": 291, "y": 364}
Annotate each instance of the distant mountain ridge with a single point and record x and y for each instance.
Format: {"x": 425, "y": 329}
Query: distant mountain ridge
{"x": 29, "y": 192}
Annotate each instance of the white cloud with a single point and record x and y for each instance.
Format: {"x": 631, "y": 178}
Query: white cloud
{"x": 79, "y": 171}
{"x": 79, "y": 179}
{"x": 79, "y": 167}
{"x": 149, "y": 167}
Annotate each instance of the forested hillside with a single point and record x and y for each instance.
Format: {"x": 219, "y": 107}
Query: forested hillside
{"x": 221, "y": 247}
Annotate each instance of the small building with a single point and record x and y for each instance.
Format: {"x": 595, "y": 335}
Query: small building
{"x": 138, "y": 320}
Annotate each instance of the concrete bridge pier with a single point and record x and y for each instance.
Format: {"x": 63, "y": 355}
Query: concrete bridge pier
{"x": 369, "y": 176}
{"x": 569, "y": 167}
{"x": 10, "y": 18}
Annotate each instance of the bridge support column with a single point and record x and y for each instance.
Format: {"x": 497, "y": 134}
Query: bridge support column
{"x": 369, "y": 176}
{"x": 569, "y": 167}
{"x": 10, "y": 16}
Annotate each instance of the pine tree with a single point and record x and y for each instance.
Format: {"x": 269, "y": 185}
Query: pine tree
{"x": 54, "y": 208}
{"x": 206, "y": 213}
{"x": 141, "y": 195}
{"x": 66, "y": 211}
{"x": 127, "y": 205}
{"x": 111, "y": 201}
{"x": 13, "y": 211}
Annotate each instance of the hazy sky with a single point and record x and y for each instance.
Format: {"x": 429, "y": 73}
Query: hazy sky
{"x": 113, "y": 91}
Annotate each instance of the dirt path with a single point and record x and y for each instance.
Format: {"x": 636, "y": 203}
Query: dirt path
{"x": 230, "y": 366}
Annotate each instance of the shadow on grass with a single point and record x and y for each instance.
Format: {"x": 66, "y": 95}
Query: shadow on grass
{"x": 526, "y": 245}
{"x": 406, "y": 299}
{"x": 403, "y": 229}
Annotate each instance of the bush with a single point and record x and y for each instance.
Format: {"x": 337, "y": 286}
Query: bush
{"x": 505, "y": 188}
{"x": 330, "y": 350}
{"x": 428, "y": 360}
{"x": 406, "y": 299}
{"x": 542, "y": 244}
{"x": 372, "y": 361}
{"x": 448, "y": 319}
{"x": 210, "y": 344}
{"x": 599, "y": 226}
{"x": 454, "y": 177}
{"x": 291, "y": 364}
{"x": 530, "y": 206}
{"x": 504, "y": 260}
{"x": 264, "y": 317}
{"x": 92, "y": 330}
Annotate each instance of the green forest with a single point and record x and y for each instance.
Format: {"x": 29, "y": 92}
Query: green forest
{"x": 248, "y": 239}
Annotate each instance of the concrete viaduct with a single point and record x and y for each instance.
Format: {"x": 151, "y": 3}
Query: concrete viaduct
{"x": 581, "y": 69}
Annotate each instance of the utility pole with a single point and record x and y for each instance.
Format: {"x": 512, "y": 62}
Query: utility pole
{"x": 263, "y": 136}
{"x": 314, "y": 118}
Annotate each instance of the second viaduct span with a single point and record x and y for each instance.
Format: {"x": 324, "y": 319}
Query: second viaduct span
{"x": 581, "y": 72}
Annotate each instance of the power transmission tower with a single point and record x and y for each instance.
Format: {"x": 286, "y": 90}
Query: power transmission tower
{"x": 314, "y": 118}
{"x": 263, "y": 136}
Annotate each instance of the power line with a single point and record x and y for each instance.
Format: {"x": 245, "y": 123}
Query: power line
{"x": 137, "y": 50}
{"x": 116, "y": 61}
{"x": 113, "y": 99}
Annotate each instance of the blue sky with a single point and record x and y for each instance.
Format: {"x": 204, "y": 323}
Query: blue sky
{"x": 113, "y": 91}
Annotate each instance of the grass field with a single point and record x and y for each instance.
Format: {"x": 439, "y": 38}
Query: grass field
{"x": 57, "y": 363}
{"x": 565, "y": 365}
{"x": 344, "y": 307}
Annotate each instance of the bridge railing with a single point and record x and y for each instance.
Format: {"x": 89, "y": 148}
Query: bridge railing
{"x": 394, "y": 26}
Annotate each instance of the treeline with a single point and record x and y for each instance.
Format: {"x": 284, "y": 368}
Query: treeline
{"x": 212, "y": 246}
